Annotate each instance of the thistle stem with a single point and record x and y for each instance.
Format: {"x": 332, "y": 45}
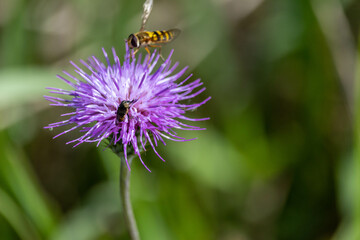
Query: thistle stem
{"x": 125, "y": 198}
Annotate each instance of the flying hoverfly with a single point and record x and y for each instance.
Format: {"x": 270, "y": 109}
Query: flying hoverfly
{"x": 148, "y": 39}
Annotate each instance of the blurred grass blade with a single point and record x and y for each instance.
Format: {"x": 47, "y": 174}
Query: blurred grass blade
{"x": 96, "y": 217}
{"x": 356, "y": 171}
{"x": 21, "y": 85}
{"x": 220, "y": 166}
{"x": 16, "y": 173}
{"x": 17, "y": 219}
{"x": 337, "y": 32}
{"x": 15, "y": 35}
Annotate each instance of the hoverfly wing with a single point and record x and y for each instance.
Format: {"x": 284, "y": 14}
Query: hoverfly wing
{"x": 174, "y": 33}
{"x": 146, "y": 13}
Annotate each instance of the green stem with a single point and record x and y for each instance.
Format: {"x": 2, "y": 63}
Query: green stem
{"x": 125, "y": 198}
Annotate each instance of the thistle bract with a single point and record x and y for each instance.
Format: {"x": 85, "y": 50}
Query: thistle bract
{"x": 155, "y": 96}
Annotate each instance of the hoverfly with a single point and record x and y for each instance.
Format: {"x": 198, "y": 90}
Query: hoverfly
{"x": 123, "y": 109}
{"x": 148, "y": 39}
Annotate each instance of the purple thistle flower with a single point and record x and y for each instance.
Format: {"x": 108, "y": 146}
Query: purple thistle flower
{"x": 152, "y": 95}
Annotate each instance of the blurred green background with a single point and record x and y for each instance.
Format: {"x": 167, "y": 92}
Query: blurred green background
{"x": 280, "y": 157}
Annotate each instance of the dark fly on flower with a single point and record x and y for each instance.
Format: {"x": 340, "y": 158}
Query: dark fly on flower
{"x": 123, "y": 109}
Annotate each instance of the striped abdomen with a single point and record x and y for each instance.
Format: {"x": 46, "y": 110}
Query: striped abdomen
{"x": 164, "y": 36}
{"x": 157, "y": 37}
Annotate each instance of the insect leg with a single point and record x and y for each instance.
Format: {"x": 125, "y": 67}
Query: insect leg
{"x": 132, "y": 55}
{"x": 148, "y": 51}
{"x": 158, "y": 46}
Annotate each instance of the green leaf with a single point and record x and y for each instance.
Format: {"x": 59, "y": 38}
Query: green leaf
{"x": 19, "y": 178}
{"x": 211, "y": 158}
{"x": 17, "y": 218}
{"x": 23, "y": 85}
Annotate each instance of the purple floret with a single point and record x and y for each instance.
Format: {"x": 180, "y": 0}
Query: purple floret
{"x": 155, "y": 109}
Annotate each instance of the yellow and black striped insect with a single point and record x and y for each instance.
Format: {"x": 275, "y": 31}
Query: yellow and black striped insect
{"x": 151, "y": 39}
{"x": 148, "y": 39}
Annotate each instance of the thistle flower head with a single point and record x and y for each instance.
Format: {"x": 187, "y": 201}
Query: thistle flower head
{"x": 130, "y": 103}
